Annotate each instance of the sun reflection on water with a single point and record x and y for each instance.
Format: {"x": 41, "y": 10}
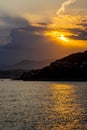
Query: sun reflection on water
{"x": 68, "y": 108}
{"x": 43, "y": 105}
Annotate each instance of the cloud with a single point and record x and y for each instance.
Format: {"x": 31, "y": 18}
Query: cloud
{"x": 28, "y": 43}
{"x": 62, "y": 9}
{"x": 64, "y": 6}
{"x": 83, "y": 23}
{"x": 43, "y": 24}
{"x": 78, "y": 34}
{"x": 24, "y": 40}
{"x": 13, "y": 21}
{"x": 9, "y": 22}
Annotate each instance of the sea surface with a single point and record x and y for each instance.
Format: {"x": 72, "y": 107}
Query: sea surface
{"x": 43, "y": 105}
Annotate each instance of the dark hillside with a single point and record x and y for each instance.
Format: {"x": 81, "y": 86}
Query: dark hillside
{"x": 70, "y": 68}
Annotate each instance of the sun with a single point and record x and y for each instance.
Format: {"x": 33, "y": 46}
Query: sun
{"x": 57, "y": 35}
{"x": 63, "y": 38}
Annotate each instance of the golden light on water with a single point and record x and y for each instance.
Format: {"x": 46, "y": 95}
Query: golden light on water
{"x": 67, "y": 107}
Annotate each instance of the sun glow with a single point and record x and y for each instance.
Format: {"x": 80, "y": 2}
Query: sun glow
{"x": 58, "y": 35}
{"x": 62, "y": 37}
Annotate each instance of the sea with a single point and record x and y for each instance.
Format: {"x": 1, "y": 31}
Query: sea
{"x": 27, "y": 105}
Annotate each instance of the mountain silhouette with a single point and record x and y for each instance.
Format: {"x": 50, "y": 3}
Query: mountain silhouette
{"x": 69, "y": 68}
{"x": 27, "y": 65}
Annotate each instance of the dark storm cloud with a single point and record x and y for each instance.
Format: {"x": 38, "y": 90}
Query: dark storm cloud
{"x": 28, "y": 43}
{"x": 8, "y": 23}
{"x": 83, "y": 24}
{"x": 44, "y": 24}
{"x": 78, "y": 34}
{"x": 13, "y": 21}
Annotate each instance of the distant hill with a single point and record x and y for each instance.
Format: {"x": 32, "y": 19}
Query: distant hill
{"x": 70, "y": 68}
{"x": 26, "y": 65}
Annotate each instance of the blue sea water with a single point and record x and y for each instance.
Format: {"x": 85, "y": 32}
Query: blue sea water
{"x": 43, "y": 105}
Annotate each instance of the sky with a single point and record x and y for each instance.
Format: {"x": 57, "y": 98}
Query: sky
{"x": 38, "y": 29}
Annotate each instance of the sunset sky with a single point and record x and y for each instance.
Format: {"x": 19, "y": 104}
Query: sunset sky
{"x": 39, "y": 29}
